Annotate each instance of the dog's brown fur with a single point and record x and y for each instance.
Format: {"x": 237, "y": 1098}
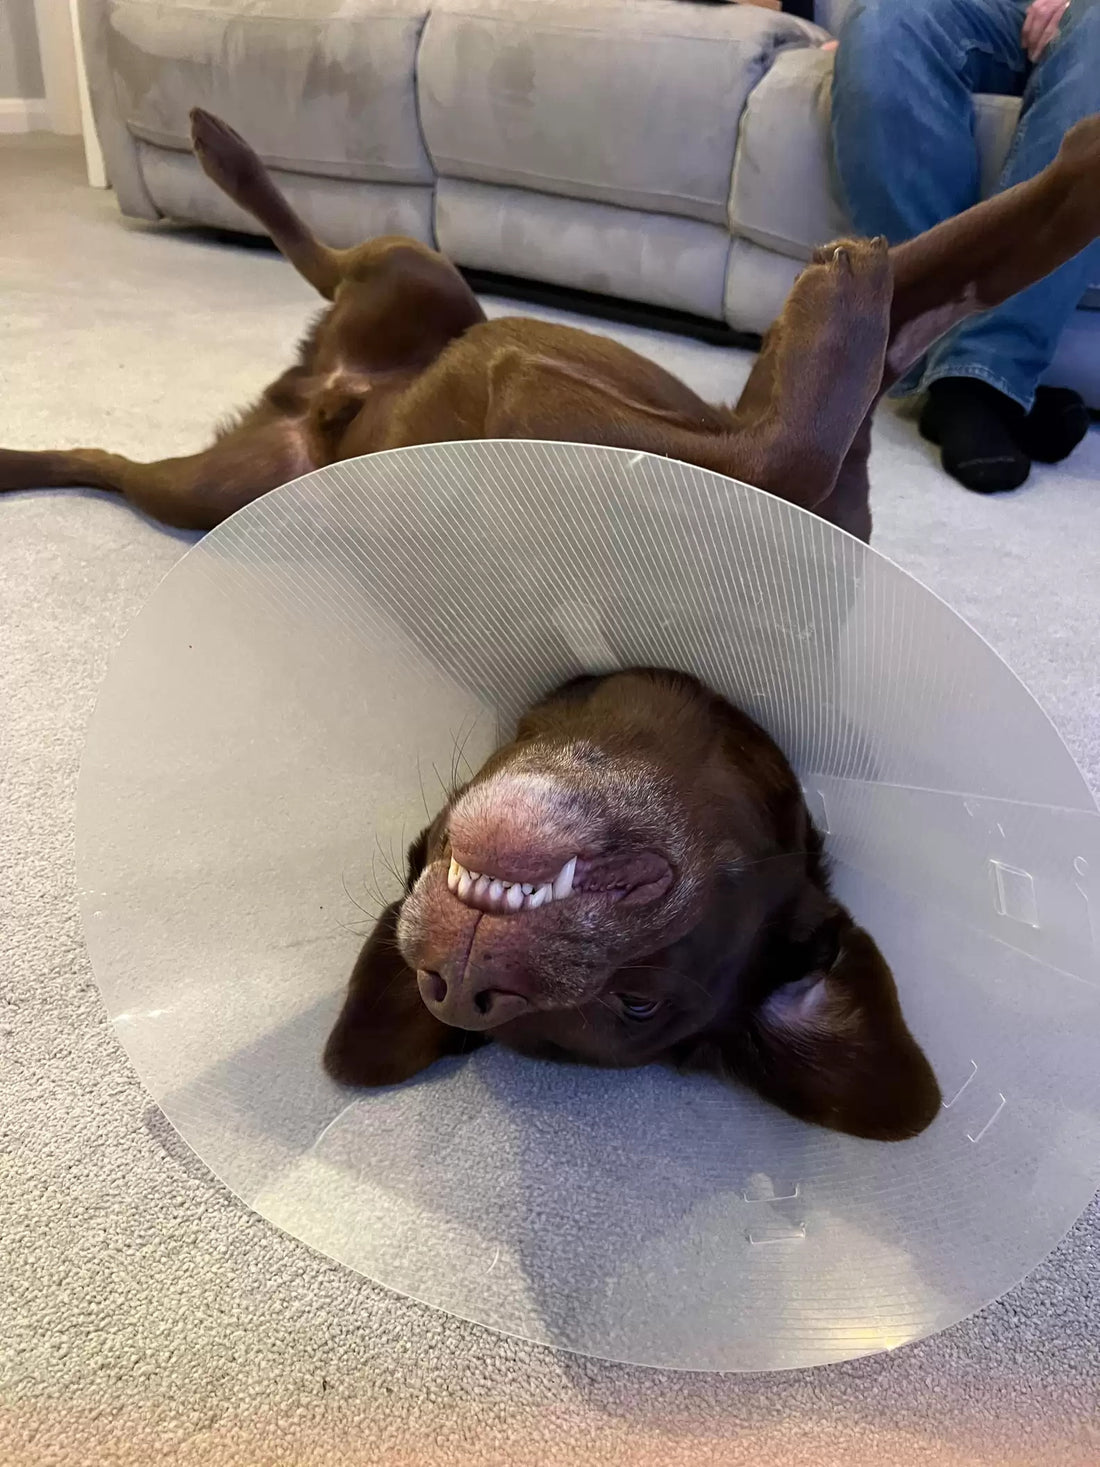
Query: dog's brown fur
{"x": 404, "y": 355}
{"x": 699, "y": 894}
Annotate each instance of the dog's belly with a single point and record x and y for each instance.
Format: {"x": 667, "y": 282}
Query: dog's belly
{"x": 515, "y": 377}
{"x": 603, "y": 365}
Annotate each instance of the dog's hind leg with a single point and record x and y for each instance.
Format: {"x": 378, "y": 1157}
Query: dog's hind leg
{"x": 194, "y": 492}
{"x": 230, "y": 163}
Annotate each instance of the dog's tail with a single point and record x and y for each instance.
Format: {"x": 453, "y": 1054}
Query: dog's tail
{"x": 228, "y": 160}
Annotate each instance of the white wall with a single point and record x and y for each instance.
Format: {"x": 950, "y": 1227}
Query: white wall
{"x": 41, "y": 80}
{"x": 20, "y": 62}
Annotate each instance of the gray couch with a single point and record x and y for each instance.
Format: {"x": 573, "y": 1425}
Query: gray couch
{"x": 665, "y": 151}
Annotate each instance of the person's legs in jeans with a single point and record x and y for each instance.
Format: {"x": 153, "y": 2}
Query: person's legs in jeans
{"x": 1013, "y": 345}
{"x": 903, "y": 111}
{"x": 906, "y": 158}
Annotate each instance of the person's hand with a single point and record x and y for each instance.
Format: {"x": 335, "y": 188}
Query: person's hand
{"x": 1041, "y": 25}
{"x": 830, "y": 45}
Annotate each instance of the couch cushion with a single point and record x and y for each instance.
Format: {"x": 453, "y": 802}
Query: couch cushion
{"x": 781, "y": 196}
{"x": 635, "y": 104}
{"x": 831, "y": 13}
{"x": 317, "y": 86}
{"x": 758, "y": 281}
{"x": 656, "y": 258}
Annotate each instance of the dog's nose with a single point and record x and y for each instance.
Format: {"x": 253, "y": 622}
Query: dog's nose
{"x": 473, "y": 1008}
{"x": 498, "y": 1005}
{"x": 433, "y": 987}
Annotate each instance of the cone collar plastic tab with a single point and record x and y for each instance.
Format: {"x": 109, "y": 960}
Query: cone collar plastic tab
{"x": 288, "y": 707}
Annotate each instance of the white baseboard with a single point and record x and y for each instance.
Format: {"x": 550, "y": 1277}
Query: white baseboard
{"x": 24, "y": 114}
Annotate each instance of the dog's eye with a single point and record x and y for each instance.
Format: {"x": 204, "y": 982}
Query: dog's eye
{"x": 638, "y": 1008}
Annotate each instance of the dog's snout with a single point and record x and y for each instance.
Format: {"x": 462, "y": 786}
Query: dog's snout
{"x": 466, "y": 1006}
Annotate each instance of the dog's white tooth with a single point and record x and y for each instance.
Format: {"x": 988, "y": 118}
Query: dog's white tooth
{"x": 513, "y": 898}
{"x": 475, "y": 875}
{"x": 527, "y": 888}
{"x": 563, "y": 881}
{"x": 496, "y": 890}
{"x": 454, "y": 874}
{"x": 465, "y": 883}
{"x": 481, "y": 886}
{"x": 536, "y": 898}
{"x": 546, "y": 892}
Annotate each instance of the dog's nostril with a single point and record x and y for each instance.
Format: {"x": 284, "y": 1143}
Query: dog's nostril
{"x": 433, "y": 986}
{"x": 489, "y": 1000}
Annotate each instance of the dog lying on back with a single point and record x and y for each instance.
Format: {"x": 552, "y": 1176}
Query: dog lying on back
{"x": 636, "y": 878}
{"x": 404, "y": 355}
{"x": 678, "y": 908}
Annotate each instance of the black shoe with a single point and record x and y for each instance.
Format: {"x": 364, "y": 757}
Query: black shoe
{"x": 1055, "y": 425}
{"x": 976, "y": 429}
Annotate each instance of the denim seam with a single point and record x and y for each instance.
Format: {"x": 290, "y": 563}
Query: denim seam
{"x": 1020, "y": 130}
{"x": 1014, "y": 146}
{"x": 984, "y": 375}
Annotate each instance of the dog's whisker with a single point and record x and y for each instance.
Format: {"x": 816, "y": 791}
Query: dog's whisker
{"x": 354, "y": 901}
{"x": 389, "y": 860}
{"x": 737, "y": 863}
{"x": 449, "y": 790}
{"x": 460, "y": 751}
{"x": 423, "y": 795}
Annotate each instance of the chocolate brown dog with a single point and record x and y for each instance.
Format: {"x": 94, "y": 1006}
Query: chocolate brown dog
{"x": 404, "y": 355}
{"x": 635, "y": 877}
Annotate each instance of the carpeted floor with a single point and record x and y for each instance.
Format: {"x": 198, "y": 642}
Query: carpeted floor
{"x": 145, "y": 1316}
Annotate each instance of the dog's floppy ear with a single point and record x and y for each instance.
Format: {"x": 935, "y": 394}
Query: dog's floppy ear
{"x": 384, "y": 1033}
{"x": 832, "y": 1047}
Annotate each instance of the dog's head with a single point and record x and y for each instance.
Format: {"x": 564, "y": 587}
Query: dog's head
{"x": 635, "y": 877}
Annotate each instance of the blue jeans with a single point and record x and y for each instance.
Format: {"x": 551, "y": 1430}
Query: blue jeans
{"x": 903, "y": 140}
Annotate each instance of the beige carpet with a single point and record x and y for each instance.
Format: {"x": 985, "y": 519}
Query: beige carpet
{"x": 146, "y": 1316}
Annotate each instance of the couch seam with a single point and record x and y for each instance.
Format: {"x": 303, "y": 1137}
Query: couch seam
{"x": 310, "y": 168}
